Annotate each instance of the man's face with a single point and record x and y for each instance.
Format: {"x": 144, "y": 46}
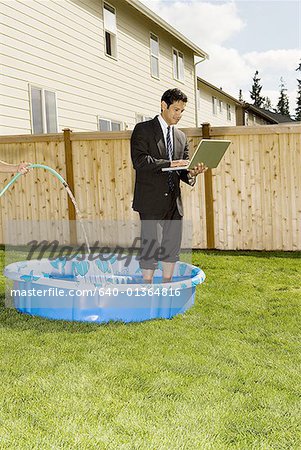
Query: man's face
{"x": 173, "y": 114}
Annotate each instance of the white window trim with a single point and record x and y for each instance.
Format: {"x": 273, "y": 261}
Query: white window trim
{"x": 104, "y": 30}
{"x": 220, "y": 106}
{"x": 145, "y": 117}
{"x": 44, "y": 122}
{"x": 154, "y": 56}
{"x": 214, "y": 105}
{"x": 229, "y": 112}
{"x": 173, "y": 75}
{"x": 110, "y": 122}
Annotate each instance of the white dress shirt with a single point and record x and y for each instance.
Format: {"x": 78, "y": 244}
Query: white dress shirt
{"x": 164, "y": 126}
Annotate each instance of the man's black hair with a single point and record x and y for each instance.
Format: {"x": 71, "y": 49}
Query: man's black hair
{"x": 173, "y": 95}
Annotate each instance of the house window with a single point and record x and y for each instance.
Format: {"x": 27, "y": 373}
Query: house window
{"x": 228, "y": 111}
{"x": 178, "y": 65}
{"x": 220, "y": 106}
{"x": 109, "y": 17}
{"x": 142, "y": 118}
{"x": 154, "y": 55}
{"x": 214, "y": 105}
{"x": 43, "y": 110}
{"x": 109, "y": 125}
{"x": 253, "y": 119}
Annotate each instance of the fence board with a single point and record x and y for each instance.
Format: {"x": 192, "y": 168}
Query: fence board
{"x": 256, "y": 188}
{"x": 264, "y": 198}
{"x": 38, "y": 196}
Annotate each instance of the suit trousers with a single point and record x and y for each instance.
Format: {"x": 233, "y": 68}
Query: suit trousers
{"x": 161, "y": 237}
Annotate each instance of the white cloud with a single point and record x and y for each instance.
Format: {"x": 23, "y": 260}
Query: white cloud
{"x": 272, "y": 65}
{"x": 283, "y": 59}
{"x": 209, "y": 25}
{"x": 232, "y": 71}
{"x": 226, "y": 68}
{"x": 202, "y": 22}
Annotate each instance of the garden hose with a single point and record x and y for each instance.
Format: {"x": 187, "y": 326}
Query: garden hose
{"x": 41, "y": 166}
{"x": 64, "y": 183}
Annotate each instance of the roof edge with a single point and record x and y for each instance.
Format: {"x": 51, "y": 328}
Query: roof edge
{"x": 259, "y": 112}
{"x": 247, "y": 106}
{"x": 220, "y": 91}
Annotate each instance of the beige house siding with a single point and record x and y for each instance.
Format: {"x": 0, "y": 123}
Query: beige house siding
{"x": 59, "y": 45}
{"x": 205, "y": 109}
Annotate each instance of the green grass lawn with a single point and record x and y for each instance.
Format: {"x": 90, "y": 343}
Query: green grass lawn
{"x": 225, "y": 375}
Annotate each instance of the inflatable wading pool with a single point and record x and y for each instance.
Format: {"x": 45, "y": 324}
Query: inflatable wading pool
{"x": 101, "y": 290}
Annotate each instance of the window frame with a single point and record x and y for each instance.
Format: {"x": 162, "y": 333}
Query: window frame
{"x": 113, "y": 56}
{"x": 220, "y": 106}
{"x": 145, "y": 117}
{"x": 110, "y": 121}
{"x": 214, "y": 105}
{"x": 175, "y": 50}
{"x": 154, "y": 56}
{"x": 229, "y": 112}
{"x": 43, "y": 89}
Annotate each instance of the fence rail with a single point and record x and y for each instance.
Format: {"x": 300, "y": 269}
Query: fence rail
{"x": 251, "y": 201}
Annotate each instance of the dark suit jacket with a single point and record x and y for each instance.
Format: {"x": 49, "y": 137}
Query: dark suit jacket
{"x": 149, "y": 156}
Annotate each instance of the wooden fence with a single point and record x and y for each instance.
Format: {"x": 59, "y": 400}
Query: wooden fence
{"x": 251, "y": 201}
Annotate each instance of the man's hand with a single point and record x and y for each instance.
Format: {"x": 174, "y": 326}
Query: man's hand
{"x": 200, "y": 168}
{"x": 179, "y": 163}
{"x": 23, "y": 168}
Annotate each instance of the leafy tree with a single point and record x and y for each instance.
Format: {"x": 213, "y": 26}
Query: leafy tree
{"x": 298, "y": 109}
{"x": 267, "y": 104}
{"x": 283, "y": 102}
{"x": 255, "y": 92}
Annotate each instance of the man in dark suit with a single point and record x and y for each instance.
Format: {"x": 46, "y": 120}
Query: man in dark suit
{"x": 157, "y": 144}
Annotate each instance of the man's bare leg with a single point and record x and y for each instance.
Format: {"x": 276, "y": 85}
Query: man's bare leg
{"x": 168, "y": 269}
{"x": 147, "y": 275}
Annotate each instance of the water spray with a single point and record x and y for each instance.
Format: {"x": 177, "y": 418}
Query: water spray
{"x": 64, "y": 183}
{"x": 90, "y": 275}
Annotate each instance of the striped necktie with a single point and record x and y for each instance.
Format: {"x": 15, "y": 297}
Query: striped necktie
{"x": 169, "y": 151}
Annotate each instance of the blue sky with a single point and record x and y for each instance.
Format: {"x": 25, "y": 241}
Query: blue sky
{"x": 241, "y": 36}
{"x": 267, "y": 18}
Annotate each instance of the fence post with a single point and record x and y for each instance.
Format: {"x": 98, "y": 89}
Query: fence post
{"x": 210, "y": 232}
{"x": 70, "y": 182}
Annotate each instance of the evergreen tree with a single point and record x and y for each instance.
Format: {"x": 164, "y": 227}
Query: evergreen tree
{"x": 298, "y": 109}
{"x": 267, "y": 104}
{"x": 255, "y": 93}
{"x": 283, "y": 102}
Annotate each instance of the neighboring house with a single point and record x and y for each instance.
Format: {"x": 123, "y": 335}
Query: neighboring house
{"x": 254, "y": 116}
{"x": 221, "y": 109}
{"x": 89, "y": 65}
{"x": 215, "y": 106}
{"x": 250, "y": 115}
